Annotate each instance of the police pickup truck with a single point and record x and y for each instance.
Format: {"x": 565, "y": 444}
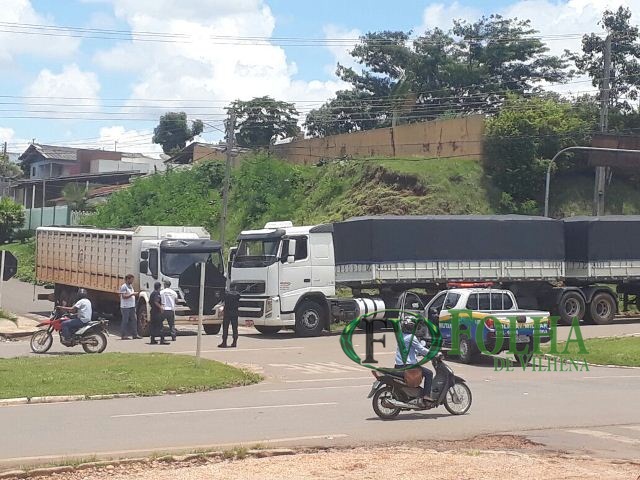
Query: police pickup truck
{"x": 483, "y": 318}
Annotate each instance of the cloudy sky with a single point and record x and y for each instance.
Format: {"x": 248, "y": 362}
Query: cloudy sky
{"x": 121, "y": 63}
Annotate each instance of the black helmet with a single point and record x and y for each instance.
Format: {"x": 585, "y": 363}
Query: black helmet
{"x": 82, "y": 293}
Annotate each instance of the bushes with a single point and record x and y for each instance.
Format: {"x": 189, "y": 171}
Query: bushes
{"x": 11, "y": 217}
{"x": 521, "y": 139}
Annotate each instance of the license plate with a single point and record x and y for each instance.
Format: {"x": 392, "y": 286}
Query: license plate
{"x": 373, "y": 389}
{"x": 522, "y": 339}
{"x": 248, "y": 323}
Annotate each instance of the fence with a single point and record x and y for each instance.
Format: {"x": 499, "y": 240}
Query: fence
{"x": 52, "y": 216}
{"x": 457, "y": 137}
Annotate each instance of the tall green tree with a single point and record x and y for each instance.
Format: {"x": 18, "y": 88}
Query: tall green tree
{"x": 468, "y": 69}
{"x": 522, "y": 138}
{"x": 173, "y": 131}
{"x": 262, "y": 121}
{"x": 11, "y": 218}
{"x": 76, "y": 195}
{"x": 8, "y": 168}
{"x": 625, "y": 58}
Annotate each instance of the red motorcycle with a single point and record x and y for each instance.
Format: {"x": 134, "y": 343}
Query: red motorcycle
{"x": 92, "y": 336}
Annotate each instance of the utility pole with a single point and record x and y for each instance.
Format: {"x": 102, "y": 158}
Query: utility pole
{"x": 115, "y": 145}
{"x": 231, "y": 127}
{"x": 601, "y": 172}
{"x": 4, "y": 150}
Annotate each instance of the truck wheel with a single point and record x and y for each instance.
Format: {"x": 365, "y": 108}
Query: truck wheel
{"x": 212, "y": 329}
{"x": 309, "y": 319}
{"x": 571, "y": 305}
{"x": 143, "y": 320}
{"x": 602, "y": 309}
{"x": 266, "y": 330}
{"x": 468, "y": 350}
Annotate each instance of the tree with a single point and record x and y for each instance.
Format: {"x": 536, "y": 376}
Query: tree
{"x": 76, "y": 195}
{"x": 11, "y": 218}
{"x": 263, "y": 120}
{"x": 625, "y": 55}
{"x": 173, "y": 131}
{"x": 8, "y": 168}
{"x": 521, "y": 140}
{"x": 469, "y": 69}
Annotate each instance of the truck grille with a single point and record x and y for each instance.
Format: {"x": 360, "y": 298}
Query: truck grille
{"x": 251, "y": 308}
{"x": 248, "y": 287}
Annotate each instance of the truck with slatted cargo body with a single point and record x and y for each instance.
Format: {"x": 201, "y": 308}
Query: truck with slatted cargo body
{"x": 68, "y": 258}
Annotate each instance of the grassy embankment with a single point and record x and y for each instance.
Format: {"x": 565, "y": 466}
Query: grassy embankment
{"x": 110, "y": 373}
{"x": 623, "y": 351}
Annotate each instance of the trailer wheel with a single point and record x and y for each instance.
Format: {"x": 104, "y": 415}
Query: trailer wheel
{"x": 571, "y": 305}
{"x": 143, "y": 320}
{"x": 212, "y": 329}
{"x": 309, "y": 319}
{"x": 602, "y": 309}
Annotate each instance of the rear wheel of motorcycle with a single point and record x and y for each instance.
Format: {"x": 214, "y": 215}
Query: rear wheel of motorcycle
{"x": 385, "y": 413}
{"x": 96, "y": 342}
{"x": 458, "y": 399}
{"x": 41, "y": 341}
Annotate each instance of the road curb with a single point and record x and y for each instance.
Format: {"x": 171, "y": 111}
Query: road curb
{"x": 112, "y": 464}
{"x": 66, "y": 398}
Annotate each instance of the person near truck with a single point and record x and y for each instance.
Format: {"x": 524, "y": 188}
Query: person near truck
{"x": 411, "y": 335}
{"x": 128, "y": 309}
{"x": 155, "y": 299}
{"x": 82, "y": 312}
{"x": 231, "y": 304}
{"x": 169, "y": 297}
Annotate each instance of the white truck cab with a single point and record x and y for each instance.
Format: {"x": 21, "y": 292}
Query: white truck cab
{"x": 284, "y": 274}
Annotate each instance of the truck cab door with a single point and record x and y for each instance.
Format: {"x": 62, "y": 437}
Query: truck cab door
{"x": 295, "y": 271}
{"x": 149, "y": 268}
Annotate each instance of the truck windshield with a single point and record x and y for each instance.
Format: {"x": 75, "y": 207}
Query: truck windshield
{"x": 173, "y": 264}
{"x": 256, "y": 252}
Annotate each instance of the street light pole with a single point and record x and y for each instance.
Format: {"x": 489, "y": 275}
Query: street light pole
{"x": 553, "y": 161}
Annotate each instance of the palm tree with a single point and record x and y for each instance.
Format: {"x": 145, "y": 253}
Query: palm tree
{"x": 75, "y": 194}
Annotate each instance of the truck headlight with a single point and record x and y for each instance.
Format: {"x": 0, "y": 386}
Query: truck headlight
{"x": 268, "y": 309}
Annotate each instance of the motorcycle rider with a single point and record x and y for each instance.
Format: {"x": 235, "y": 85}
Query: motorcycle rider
{"x": 82, "y": 313}
{"x": 411, "y": 336}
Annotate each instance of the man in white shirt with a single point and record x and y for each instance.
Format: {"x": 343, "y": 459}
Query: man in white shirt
{"x": 128, "y": 309}
{"x": 83, "y": 312}
{"x": 169, "y": 298}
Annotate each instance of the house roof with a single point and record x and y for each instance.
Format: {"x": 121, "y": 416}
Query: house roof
{"x": 107, "y": 177}
{"x": 51, "y": 152}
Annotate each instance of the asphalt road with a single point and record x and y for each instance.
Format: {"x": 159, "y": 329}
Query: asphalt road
{"x": 314, "y": 395}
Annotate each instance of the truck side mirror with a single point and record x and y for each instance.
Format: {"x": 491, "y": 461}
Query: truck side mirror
{"x": 144, "y": 255}
{"x": 144, "y": 266}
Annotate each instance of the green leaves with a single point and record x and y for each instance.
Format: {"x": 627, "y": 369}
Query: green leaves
{"x": 11, "y": 217}
{"x": 263, "y": 120}
{"x": 173, "y": 131}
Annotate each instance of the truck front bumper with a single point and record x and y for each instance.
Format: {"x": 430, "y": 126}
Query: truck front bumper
{"x": 263, "y": 311}
{"x": 491, "y": 340}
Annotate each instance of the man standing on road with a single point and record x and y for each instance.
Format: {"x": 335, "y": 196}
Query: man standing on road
{"x": 169, "y": 298}
{"x": 82, "y": 311}
{"x": 128, "y": 309}
{"x": 231, "y": 304}
{"x": 156, "y": 316}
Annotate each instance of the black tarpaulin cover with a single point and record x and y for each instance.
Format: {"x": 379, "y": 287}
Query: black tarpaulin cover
{"x": 381, "y": 239}
{"x": 613, "y": 237}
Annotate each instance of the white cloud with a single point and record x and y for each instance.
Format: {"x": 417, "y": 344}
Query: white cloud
{"x": 134, "y": 141}
{"x": 201, "y": 68}
{"x": 13, "y": 45}
{"x": 341, "y": 53}
{"x": 440, "y": 15}
{"x": 6, "y": 134}
{"x": 70, "y": 83}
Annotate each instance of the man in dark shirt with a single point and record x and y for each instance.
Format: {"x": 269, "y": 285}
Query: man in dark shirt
{"x": 231, "y": 304}
{"x": 155, "y": 300}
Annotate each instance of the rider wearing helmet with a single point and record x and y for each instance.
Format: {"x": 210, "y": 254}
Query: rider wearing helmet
{"x": 82, "y": 313}
{"x": 412, "y": 335}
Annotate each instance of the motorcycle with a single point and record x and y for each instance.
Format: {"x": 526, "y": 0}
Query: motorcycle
{"x": 92, "y": 336}
{"x": 391, "y": 394}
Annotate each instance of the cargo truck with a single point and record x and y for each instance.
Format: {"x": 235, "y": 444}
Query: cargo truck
{"x": 99, "y": 259}
{"x": 288, "y": 275}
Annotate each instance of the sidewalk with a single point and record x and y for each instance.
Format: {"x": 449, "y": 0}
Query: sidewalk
{"x": 22, "y": 327}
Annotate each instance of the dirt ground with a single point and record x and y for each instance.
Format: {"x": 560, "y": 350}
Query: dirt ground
{"x": 489, "y": 457}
